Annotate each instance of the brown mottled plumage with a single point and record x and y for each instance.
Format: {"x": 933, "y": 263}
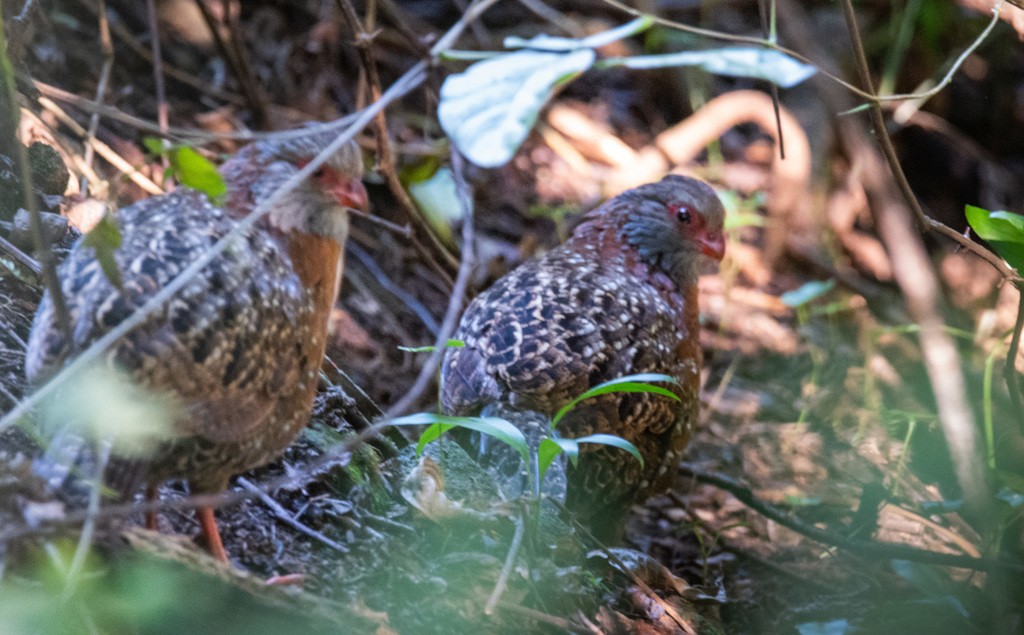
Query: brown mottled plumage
{"x": 238, "y": 349}
{"x": 620, "y": 297}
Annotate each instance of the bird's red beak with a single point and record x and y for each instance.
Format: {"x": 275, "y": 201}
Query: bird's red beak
{"x": 350, "y": 193}
{"x": 712, "y": 244}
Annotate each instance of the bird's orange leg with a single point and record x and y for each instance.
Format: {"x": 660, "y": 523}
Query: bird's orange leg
{"x": 151, "y": 496}
{"x": 209, "y": 526}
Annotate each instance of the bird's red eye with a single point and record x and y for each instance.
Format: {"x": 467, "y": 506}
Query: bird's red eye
{"x": 681, "y": 211}
{"x": 320, "y": 172}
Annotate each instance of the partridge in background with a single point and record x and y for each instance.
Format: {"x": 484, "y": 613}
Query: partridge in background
{"x": 619, "y": 298}
{"x": 237, "y": 350}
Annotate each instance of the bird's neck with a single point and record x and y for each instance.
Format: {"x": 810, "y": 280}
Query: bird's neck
{"x": 601, "y": 238}
{"x": 318, "y": 261}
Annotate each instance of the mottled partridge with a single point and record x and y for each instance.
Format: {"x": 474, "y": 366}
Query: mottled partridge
{"x": 620, "y": 297}
{"x": 238, "y": 350}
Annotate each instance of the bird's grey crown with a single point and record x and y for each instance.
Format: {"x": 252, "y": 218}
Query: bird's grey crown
{"x": 295, "y": 148}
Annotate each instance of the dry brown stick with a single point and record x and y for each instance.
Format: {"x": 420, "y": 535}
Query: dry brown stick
{"x": 242, "y": 66}
{"x": 103, "y": 149}
{"x": 242, "y": 72}
{"x": 386, "y": 160}
{"x": 918, "y": 281}
{"x": 963, "y": 241}
{"x": 107, "y": 47}
{"x": 174, "y": 73}
{"x": 283, "y": 515}
{"x": 863, "y": 548}
{"x": 162, "y": 111}
{"x": 451, "y": 315}
{"x": 772, "y": 86}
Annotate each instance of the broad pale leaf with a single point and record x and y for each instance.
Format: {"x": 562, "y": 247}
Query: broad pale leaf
{"x": 760, "y": 63}
{"x": 489, "y": 109}
{"x": 546, "y": 42}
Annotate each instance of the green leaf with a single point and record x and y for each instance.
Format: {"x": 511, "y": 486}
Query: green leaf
{"x": 794, "y": 500}
{"x": 629, "y": 383}
{"x": 195, "y": 171}
{"x": 419, "y": 171}
{"x": 105, "y": 238}
{"x": 438, "y": 197}
{"x": 430, "y": 349}
{"x": 439, "y": 424}
{"x": 1004, "y": 231}
{"x": 613, "y": 441}
{"x": 550, "y": 448}
{"x": 808, "y": 292}
{"x": 154, "y": 146}
{"x": 739, "y": 219}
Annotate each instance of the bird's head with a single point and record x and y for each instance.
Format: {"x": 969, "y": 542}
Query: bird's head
{"x": 672, "y": 222}
{"x": 319, "y": 205}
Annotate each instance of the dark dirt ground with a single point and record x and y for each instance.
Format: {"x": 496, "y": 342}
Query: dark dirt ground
{"x": 822, "y": 411}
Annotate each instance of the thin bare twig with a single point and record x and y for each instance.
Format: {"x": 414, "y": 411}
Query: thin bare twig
{"x": 283, "y": 515}
{"x": 506, "y": 568}
{"x": 101, "y": 86}
{"x": 558, "y": 622}
{"x": 451, "y": 315}
{"x": 767, "y": 29}
{"x": 162, "y": 115}
{"x": 242, "y": 71}
{"x": 25, "y": 10}
{"x": 401, "y": 230}
{"x": 742, "y": 39}
{"x": 385, "y": 157}
{"x": 102, "y": 149}
{"x": 170, "y": 71}
{"x": 918, "y": 281}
